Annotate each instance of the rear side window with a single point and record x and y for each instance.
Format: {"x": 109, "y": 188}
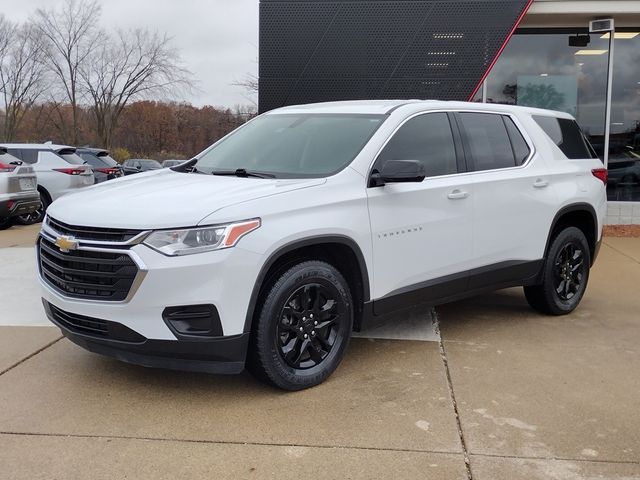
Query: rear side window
{"x": 27, "y": 155}
{"x": 521, "y": 150}
{"x": 488, "y": 141}
{"x": 427, "y": 138}
{"x": 566, "y": 134}
{"x": 6, "y": 157}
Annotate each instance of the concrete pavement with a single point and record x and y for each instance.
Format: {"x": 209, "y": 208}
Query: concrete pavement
{"x": 517, "y": 394}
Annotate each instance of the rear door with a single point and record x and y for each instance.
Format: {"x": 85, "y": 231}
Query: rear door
{"x": 513, "y": 204}
{"x": 421, "y": 232}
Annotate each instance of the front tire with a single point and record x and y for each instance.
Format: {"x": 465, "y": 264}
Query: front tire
{"x": 303, "y": 327}
{"x": 564, "y": 276}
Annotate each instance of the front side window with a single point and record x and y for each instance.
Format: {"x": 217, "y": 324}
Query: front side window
{"x": 488, "y": 141}
{"x": 426, "y": 138}
{"x": 292, "y": 145}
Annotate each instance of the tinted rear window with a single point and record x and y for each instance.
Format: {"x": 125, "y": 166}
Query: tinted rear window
{"x": 108, "y": 160}
{"x": 92, "y": 160}
{"x": 6, "y": 157}
{"x": 520, "y": 148}
{"x": 72, "y": 158}
{"x": 566, "y": 134}
{"x": 488, "y": 141}
{"x": 27, "y": 155}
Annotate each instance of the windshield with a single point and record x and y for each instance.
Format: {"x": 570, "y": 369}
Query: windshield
{"x": 292, "y": 145}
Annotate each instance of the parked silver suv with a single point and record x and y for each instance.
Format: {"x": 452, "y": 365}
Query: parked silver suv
{"x": 58, "y": 168}
{"x": 18, "y": 193}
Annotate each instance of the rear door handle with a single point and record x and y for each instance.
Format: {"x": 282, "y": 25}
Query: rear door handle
{"x": 540, "y": 183}
{"x": 458, "y": 194}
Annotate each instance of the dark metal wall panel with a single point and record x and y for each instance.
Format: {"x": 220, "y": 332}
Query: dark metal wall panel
{"x": 323, "y": 50}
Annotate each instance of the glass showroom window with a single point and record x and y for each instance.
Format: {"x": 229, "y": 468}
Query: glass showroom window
{"x": 540, "y": 69}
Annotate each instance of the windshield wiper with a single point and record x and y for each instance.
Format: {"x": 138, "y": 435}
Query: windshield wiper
{"x": 241, "y": 172}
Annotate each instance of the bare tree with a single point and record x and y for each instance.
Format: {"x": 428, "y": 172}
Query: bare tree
{"x": 133, "y": 65}
{"x": 71, "y": 33}
{"x": 22, "y": 72}
{"x": 7, "y": 30}
{"x": 250, "y": 85}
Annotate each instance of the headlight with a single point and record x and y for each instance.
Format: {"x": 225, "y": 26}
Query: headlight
{"x": 201, "y": 239}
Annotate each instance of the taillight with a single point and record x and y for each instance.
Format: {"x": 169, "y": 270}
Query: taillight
{"x": 108, "y": 171}
{"x": 601, "y": 174}
{"x": 7, "y": 167}
{"x": 71, "y": 171}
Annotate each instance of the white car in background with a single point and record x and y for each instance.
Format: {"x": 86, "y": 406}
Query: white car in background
{"x": 18, "y": 194}
{"x": 58, "y": 168}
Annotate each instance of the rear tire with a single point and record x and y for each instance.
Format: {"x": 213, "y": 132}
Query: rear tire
{"x": 5, "y": 222}
{"x": 36, "y": 216}
{"x": 302, "y": 328}
{"x": 565, "y": 274}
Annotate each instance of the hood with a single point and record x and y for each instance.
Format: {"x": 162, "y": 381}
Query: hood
{"x": 164, "y": 199}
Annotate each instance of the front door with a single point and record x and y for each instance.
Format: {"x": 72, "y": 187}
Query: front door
{"x": 421, "y": 232}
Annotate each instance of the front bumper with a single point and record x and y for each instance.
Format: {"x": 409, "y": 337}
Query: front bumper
{"x": 222, "y": 279}
{"x": 223, "y": 355}
{"x": 19, "y": 204}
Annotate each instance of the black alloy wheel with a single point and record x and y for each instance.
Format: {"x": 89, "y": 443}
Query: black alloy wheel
{"x": 307, "y": 329}
{"x": 569, "y": 270}
{"x": 564, "y": 275}
{"x": 302, "y": 327}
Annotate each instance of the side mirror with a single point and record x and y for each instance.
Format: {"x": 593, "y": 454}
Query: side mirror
{"x": 396, "y": 171}
{"x": 139, "y": 167}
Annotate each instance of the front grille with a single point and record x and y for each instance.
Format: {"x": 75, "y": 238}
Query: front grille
{"x": 87, "y": 274}
{"x": 93, "y": 233}
{"x": 90, "y": 326}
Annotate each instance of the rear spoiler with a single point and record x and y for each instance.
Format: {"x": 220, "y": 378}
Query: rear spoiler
{"x": 66, "y": 151}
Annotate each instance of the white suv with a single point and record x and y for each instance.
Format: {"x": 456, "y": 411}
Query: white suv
{"x": 58, "y": 168}
{"x": 275, "y": 243}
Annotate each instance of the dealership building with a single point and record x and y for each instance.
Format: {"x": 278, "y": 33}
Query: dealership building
{"x": 538, "y": 53}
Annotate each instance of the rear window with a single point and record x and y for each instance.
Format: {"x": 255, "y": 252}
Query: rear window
{"x": 566, "y": 134}
{"x": 27, "y": 155}
{"x": 7, "y": 158}
{"x": 108, "y": 160}
{"x": 488, "y": 141}
{"x": 72, "y": 158}
{"x": 92, "y": 160}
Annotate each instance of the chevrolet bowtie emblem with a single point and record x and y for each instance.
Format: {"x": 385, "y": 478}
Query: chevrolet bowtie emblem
{"x": 66, "y": 243}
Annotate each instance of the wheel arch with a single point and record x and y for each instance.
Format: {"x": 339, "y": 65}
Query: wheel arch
{"x": 317, "y": 247}
{"x": 45, "y": 192}
{"x": 579, "y": 215}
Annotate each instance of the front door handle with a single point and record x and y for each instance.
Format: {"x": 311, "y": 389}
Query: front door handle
{"x": 540, "y": 183}
{"x": 458, "y": 194}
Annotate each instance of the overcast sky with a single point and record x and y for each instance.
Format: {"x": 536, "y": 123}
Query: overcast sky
{"x": 218, "y": 39}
